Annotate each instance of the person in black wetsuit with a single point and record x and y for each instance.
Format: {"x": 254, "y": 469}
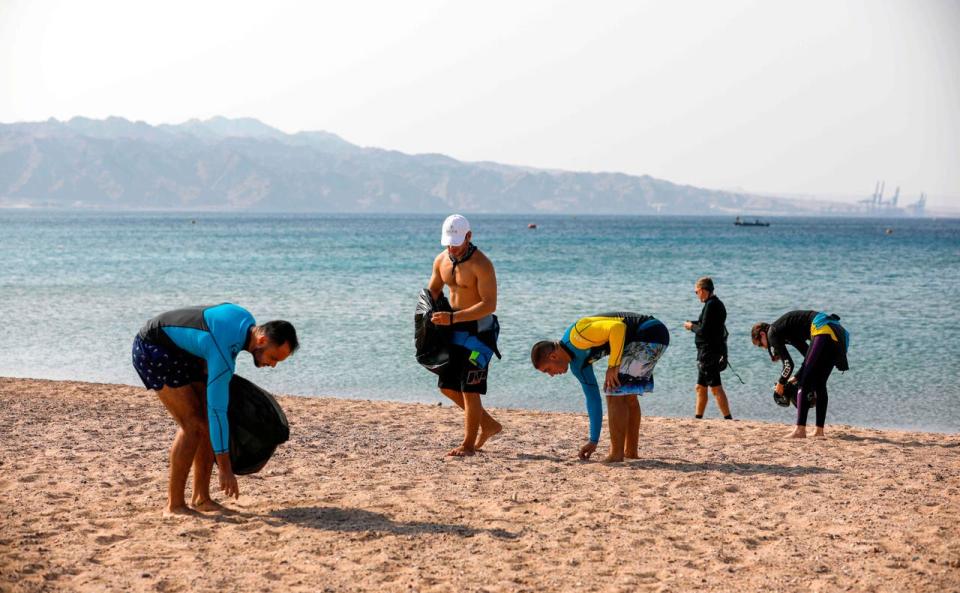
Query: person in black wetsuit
{"x": 826, "y": 350}
{"x": 710, "y": 336}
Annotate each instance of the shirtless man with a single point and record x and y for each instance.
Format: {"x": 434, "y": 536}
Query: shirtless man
{"x": 473, "y": 296}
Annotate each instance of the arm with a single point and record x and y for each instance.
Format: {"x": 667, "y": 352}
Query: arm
{"x": 591, "y": 392}
{"x": 787, "y": 370}
{"x": 218, "y": 399}
{"x": 436, "y": 282}
{"x": 697, "y": 326}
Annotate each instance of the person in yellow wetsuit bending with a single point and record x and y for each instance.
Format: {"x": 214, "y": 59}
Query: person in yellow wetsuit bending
{"x": 634, "y": 344}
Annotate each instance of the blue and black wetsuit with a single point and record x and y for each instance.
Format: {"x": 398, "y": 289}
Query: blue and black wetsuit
{"x": 172, "y": 347}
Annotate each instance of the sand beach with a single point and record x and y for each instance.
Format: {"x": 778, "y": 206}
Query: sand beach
{"x": 362, "y": 498}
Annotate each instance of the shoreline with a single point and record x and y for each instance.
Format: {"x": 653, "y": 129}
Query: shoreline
{"x": 362, "y": 499}
{"x": 439, "y": 401}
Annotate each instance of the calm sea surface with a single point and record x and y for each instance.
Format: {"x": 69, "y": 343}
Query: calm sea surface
{"x": 75, "y": 288}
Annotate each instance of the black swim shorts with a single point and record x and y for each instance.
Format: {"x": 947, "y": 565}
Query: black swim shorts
{"x": 708, "y": 368}
{"x": 461, "y": 373}
{"x": 159, "y": 365}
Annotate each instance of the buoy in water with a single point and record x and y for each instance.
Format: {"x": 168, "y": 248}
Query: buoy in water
{"x": 532, "y": 225}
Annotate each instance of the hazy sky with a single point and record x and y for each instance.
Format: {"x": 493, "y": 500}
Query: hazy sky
{"x": 804, "y": 97}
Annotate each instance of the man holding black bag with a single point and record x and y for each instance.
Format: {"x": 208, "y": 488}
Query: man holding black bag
{"x": 468, "y": 322}
{"x": 188, "y": 357}
{"x": 711, "y": 340}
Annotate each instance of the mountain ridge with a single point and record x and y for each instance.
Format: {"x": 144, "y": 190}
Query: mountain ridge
{"x": 244, "y": 164}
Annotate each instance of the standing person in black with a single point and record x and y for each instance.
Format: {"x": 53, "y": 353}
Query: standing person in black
{"x": 710, "y": 336}
{"x": 827, "y": 349}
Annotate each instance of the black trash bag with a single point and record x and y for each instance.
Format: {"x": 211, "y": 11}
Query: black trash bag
{"x": 432, "y": 342}
{"x": 257, "y": 426}
{"x": 788, "y": 397}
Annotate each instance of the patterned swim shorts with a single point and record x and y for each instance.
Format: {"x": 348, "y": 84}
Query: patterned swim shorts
{"x": 636, "y": 367}
{"x": 158, "y": 365}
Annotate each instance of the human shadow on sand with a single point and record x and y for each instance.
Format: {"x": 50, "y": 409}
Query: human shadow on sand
{"x": 359, "y": 520}
{"x": 885, "y": 441}
{"x": 539, "y": 457}
{"x": 747, "y": 469}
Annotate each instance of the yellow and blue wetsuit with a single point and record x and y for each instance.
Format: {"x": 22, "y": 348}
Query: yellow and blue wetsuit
{"x": 592, "y": 338}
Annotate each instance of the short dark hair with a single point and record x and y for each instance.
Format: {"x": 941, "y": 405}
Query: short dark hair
{"x": 705, "y": 283}
{"x": 758, "y": 327}
{"x": 281, "y": 332}
{"x": 540, "y": 351}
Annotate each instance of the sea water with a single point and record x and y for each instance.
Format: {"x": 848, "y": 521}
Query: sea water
{"x": 76, "y": 287}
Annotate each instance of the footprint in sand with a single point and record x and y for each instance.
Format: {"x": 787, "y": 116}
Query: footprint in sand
{"x": 106, "y": 540}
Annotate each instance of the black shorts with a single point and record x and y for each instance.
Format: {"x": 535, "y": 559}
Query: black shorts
{"x": 461, "y": 374}
{"x": 159, "y": 365}
{"x": 708, "y": 369}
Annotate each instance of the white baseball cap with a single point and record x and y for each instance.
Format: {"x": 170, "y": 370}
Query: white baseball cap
{"x": 455, "y": 229}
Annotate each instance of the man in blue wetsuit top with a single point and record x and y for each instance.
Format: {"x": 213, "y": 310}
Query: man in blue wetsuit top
{"x": 188, "y": 357}
{"x": 634, "y": 344}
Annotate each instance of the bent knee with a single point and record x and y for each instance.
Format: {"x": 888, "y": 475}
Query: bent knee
{"x": 194, "y": 430}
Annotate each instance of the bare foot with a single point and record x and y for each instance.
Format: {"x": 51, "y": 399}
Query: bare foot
{"x": 632, "y": 454}
{"x": 611, "y": 458}
{"x": 462, "y": 451}
{"x": 209, "y": 506}
{"x": 488, "y": 433}
{"x": 799, "y": 432}
{"x": 819, "y": 434}
{"x": 179, "y": 511}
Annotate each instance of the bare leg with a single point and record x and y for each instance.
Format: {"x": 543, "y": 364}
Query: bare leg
{"x": 701, "y": 400}
{"x": 203, "y": 462}
{"x": 488, "y": 426}
{"x": 632, "y": 439}
{"x": 721, "y": 396}
{"x": 617, "y": 419}
{"x": 472, "y": 413}
{"x": 202, "y": 469}
{"x": 184, "y": 405}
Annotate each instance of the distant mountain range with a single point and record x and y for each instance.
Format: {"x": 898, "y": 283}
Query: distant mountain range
{"x": 243, "y": 164}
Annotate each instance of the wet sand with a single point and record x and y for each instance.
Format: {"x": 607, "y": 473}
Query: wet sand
{"x": 362, "y": 498}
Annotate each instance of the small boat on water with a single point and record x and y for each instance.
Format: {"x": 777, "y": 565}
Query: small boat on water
{"x": 756, "y": 222}
{"x": 532, "y": 225}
